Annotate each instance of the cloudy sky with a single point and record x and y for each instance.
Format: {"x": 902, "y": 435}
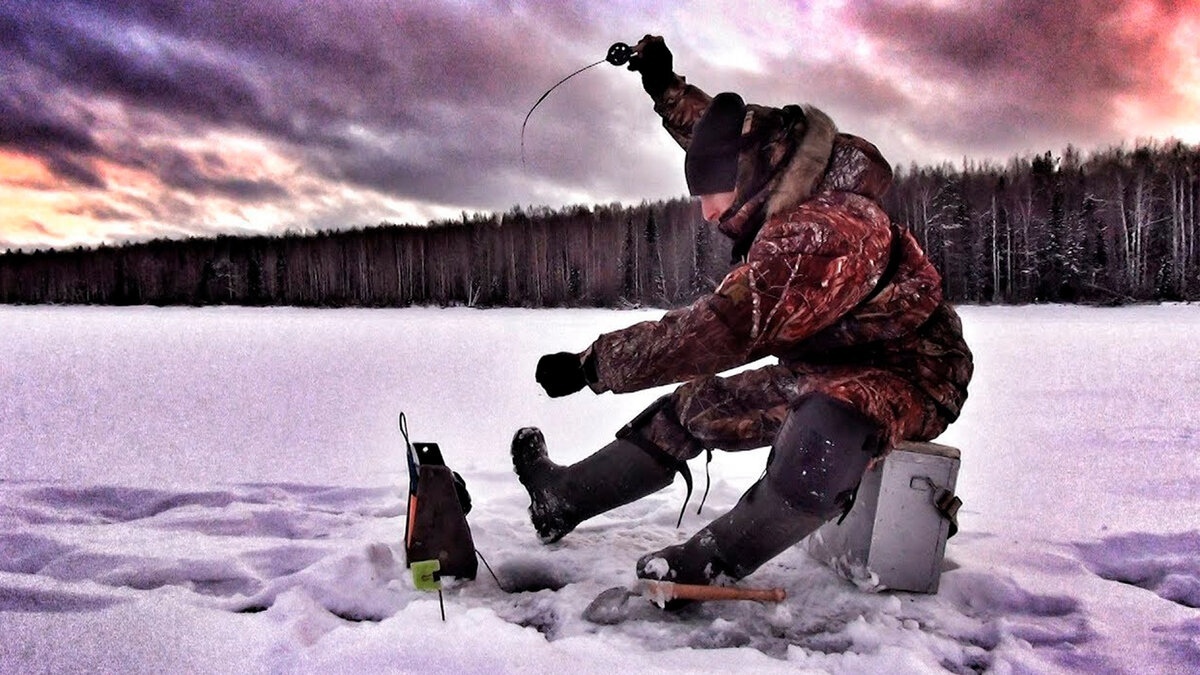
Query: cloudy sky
{"x": 132, "y": 119}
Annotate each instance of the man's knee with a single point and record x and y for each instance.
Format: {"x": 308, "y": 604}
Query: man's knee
{"x": 657, "y": 429}
{"x": 740, "y": 412}
{"x": 820, "y": 454}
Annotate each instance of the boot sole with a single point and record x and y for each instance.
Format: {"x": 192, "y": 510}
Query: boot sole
{"x": 528, "y": 450}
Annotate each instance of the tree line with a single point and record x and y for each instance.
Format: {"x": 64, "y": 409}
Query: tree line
{"x": 1116, "y": 226}
{"x": 655, "y": 254}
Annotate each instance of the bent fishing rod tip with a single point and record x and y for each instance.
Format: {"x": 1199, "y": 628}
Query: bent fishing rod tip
{"x": 618, "y": 55}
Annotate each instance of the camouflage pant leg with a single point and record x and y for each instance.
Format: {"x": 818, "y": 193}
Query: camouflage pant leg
{"x": 902, "y": 410}
{"x": 738, "y": 412}
{"x": 747, "y": 409}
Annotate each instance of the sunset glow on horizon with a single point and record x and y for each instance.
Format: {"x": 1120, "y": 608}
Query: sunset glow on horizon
{"x": 173, "y": 119}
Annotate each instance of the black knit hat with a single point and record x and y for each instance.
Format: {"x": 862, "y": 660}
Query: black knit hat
{"x": 710, "y": 165}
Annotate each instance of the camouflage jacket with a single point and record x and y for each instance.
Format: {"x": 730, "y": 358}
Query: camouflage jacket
{"x": 824, "y": 277}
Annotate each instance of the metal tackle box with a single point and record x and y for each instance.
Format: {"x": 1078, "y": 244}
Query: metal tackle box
{"x": 894, "y": 537}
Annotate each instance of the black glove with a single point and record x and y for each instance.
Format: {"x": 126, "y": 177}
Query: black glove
{"x": 565, "y": 373}
{"x": 653, "y": 60}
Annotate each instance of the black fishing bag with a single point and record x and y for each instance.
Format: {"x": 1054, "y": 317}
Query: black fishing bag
{"x": 438, "y": 503}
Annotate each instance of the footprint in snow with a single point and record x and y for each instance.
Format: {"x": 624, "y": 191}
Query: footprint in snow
{"x": 1166, "y": 565}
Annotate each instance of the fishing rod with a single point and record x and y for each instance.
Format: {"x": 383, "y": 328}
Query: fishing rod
{"x": 618, "y": 55}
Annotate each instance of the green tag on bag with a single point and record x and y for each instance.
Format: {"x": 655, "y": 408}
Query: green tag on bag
{"x": 425, "y": 575}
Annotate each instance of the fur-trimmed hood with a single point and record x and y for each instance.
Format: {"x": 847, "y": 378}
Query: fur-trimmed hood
{"x": 789, "y": 154}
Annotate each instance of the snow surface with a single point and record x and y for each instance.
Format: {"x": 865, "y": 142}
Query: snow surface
{"x": 223, "y": 490}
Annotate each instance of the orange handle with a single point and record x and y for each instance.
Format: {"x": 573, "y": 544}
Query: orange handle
{"x": 412, "y": 515}
{"x": 667, "y": 590}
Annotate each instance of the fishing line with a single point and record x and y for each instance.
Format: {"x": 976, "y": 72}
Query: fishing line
{"x": 489, "y": 569}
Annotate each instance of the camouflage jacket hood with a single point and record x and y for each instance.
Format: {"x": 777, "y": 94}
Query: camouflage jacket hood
{"x": 821, "y": 274}
{"x": 787, "y": 154}
{"x": 784, "y": 152}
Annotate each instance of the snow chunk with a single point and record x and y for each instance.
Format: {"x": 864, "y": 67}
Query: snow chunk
{"x": 658, "y": 568}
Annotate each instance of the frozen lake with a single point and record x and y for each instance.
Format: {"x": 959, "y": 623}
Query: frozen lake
{"x": 222, "y": 488}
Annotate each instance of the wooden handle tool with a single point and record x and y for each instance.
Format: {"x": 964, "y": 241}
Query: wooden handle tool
{"x": 662, "y": 591}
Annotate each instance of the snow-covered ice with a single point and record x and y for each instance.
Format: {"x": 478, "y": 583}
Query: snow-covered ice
{"x": 223, "y": 490}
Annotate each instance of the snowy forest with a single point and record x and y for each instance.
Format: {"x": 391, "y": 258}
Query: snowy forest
{"x": 1110, "y": 227}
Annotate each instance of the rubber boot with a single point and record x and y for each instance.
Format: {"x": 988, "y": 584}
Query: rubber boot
{"x": 561, "y": 497}
{"x": 814, "y": 468}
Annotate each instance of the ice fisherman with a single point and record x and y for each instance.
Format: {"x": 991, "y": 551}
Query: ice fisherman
{"x": 868, "y": 352}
